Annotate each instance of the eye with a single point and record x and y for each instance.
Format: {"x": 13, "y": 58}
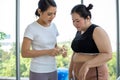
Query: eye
{"x": 55, "y": 13}
{"x": 73, "y": 21}
{"x": 49, "y": 14}
{"x": 78, "y": 21}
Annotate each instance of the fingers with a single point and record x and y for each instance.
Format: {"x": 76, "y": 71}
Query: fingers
{"x": 64, "y": 53}
{"x": 54, "y": 52}
{"x": 60, "y": 50}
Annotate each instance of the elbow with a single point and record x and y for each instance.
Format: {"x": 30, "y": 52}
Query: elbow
{"x": 24, "y": 54}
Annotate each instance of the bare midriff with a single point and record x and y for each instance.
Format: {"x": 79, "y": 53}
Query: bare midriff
{"x": 82, "y": 57}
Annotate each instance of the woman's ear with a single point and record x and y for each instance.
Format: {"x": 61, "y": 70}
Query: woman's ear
{"x": 39, "y": 11}
{"x": 88, "y": 18}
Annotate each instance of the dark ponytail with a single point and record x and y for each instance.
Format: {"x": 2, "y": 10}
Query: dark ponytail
{"x": 90, "y": 6}
{"x": 36, "y": 13}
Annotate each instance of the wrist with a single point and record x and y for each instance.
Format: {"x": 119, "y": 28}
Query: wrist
{"x": 49, "y": 51}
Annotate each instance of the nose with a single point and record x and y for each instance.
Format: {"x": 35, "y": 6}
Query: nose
{"x": 53, "y": 15}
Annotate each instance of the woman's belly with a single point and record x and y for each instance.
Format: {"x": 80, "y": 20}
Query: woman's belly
{"x": 82, "y": 57}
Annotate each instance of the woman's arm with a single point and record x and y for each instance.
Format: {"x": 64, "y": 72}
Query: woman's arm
{"x": 103, "y": 44}
{"x": 28, "y": 53}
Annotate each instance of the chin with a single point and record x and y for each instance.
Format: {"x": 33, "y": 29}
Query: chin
{"x": 78, "y": 29}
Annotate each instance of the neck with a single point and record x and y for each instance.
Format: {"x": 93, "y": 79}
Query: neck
{"x": 89, "y": 24}
{"x": 43, "y": 23}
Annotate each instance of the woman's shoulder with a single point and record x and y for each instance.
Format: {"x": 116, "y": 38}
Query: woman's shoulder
{"x": 99, "y": 31}
{"x": 32, "y": 23}
{"x": 99, "y": 28}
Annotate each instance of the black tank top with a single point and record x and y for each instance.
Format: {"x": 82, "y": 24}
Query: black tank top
{"x": 84, "y": 42}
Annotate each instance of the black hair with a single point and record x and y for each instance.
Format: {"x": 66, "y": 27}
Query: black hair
{"x": 82, "y": 10}
{"x": 44, "y": 5}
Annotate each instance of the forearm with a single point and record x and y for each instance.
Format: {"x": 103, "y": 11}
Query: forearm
{"x": 35, "y": 53}
{"x": 100, "y": 59}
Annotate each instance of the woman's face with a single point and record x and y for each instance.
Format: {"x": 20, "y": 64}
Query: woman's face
{"x": 78, "y": 22}
{"x": 47, "y": 16}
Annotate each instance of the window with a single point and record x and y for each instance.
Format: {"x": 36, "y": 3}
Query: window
{"x": 7, "y": 39}
{"x": 102, "y": 14}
